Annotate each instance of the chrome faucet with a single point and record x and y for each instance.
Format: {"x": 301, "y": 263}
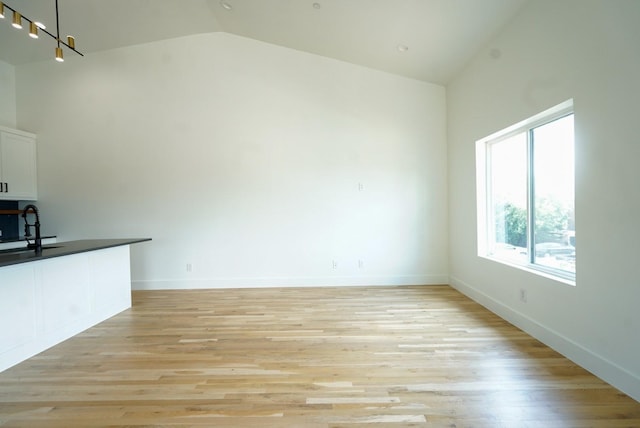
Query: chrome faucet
{"x": 37, "y": 245}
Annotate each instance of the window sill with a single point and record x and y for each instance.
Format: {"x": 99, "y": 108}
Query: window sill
{"x": 549, "y": 273}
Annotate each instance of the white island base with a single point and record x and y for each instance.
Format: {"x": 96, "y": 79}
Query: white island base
{"x": 45, "y": 302}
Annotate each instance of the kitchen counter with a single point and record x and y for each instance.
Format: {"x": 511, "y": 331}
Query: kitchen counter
{"x": 47, "y": 298}
{"x": 59, "y": 249}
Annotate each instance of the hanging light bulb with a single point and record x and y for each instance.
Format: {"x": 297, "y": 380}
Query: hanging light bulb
{"x": 71, "y": 42}
{"x": 17, "y": 20}
{"x": 1, "y": 10}
{"x": 33, "y": 31}
{"x": 59, "y": 56}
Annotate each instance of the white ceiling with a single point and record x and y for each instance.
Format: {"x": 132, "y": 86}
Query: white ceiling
{"x": 441, "y": 35}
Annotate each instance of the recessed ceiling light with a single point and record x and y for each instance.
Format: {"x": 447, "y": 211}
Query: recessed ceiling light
{"x": 226, "y": 5}
{"x": 317, "y": 5}
{"x": 403, "y": 48}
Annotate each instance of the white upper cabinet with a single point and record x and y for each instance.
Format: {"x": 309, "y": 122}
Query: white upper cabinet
{"x": 18, "y": 177}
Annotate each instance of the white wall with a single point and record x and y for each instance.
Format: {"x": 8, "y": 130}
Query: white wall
{"x": 7, "y": 95}
{"x": 244, "y": 160}
{"x": 555, "y": 50}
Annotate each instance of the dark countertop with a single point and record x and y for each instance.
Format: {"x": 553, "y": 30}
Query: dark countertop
{"x": 59, "y": 249}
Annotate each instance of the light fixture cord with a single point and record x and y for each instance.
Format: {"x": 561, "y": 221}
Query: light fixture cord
{"x": 57, "y": 25}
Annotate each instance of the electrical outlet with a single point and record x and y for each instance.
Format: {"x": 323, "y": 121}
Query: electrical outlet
{"x": 189, "y": 267}
{"x": 335, "y": 264}
{"x": 360, "y": 263}
{"x": 523, "y": 295}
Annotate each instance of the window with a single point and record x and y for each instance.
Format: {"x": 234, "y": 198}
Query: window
{"x": 526, "y": 194}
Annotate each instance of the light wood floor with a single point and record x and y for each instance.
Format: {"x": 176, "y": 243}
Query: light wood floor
{"x": 309, "y": 357}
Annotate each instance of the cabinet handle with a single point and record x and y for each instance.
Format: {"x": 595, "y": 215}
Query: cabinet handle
{"x": 6, "y": 187}
{"x": 3, "y": 187}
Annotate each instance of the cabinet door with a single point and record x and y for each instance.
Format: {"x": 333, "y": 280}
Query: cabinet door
{"x": 18, "y": 314}
{"x": 18, "y": 167}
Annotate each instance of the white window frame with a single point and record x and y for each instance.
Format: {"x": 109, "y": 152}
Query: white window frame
{"x": 485, "y": 229}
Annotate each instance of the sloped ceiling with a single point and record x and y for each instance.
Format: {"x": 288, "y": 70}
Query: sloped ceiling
{"x": 440, "y": 36}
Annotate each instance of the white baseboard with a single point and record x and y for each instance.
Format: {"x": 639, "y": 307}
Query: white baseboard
{"x": 606, "y": 370}
{"x": 265, "y": 282}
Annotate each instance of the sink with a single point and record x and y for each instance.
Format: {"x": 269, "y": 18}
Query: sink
{"x": 16, "y": 250}
{"x": 22, "y": 250}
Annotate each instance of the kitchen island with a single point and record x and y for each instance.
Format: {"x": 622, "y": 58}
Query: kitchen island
{"x": 49, "y": 297}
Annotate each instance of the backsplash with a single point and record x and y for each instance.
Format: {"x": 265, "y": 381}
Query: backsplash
{"x": 9, "y": 223}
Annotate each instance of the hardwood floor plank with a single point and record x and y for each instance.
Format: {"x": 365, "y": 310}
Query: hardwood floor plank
{"x": 307, "y": 357}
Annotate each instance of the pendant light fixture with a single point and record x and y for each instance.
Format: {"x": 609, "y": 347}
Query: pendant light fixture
{"x": 34, "y": 26}
{"x": 17, "y": 20}
{"x": 33, "y": 30}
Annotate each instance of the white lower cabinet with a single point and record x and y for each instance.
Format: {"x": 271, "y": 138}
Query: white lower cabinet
{"x": 45, "y": 302}
{"x": 18, "y": 310}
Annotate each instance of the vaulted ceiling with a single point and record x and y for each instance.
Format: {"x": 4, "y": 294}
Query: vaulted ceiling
{"x": 429, "y": 40}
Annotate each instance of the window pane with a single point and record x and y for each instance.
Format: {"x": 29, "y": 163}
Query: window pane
{"x": 508, "y": 198}
{"x": 553, "y": 177}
